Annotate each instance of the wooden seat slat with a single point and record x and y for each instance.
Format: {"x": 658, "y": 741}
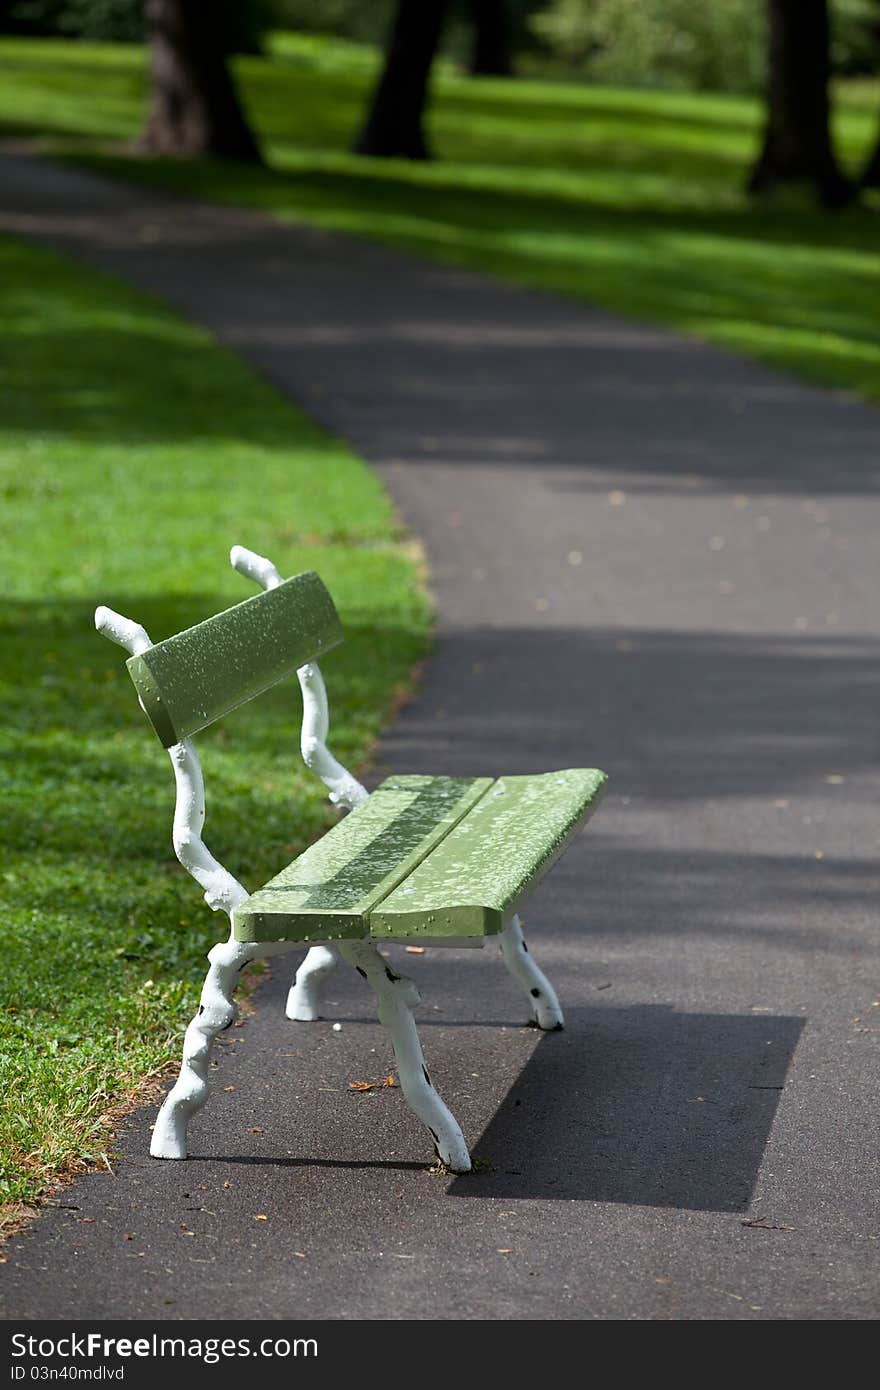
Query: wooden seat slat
{"x": 425, "y": 856}
{"x": 481, "y": 871}
{"x": 327, "y": 893}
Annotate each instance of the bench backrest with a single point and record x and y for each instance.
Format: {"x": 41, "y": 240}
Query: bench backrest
{"x": 187, "y": 682}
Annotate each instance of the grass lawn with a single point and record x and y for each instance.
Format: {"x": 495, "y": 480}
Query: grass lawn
{"x": 133, "y": 452}
{"x": 631, "y": 199}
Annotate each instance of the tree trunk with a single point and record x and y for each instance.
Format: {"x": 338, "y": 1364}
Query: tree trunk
{"x": 797, "y": 141}
{"x": 194, "y": 109}
{"x": 394, "y": 119}
{"x": 491, "y": 55}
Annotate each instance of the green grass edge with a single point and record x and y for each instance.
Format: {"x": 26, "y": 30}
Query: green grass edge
{"x": 134, "y": 453}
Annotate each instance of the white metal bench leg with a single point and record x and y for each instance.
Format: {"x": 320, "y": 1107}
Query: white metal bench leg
{"x": 304, "y": 996}
{"x": 396, "y": 996}
{"x": 545, "y": 1010}
{"x": 216, "y": 1012}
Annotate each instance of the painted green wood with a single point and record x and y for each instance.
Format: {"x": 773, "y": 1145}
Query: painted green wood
{"x": 188, "y": 681}
{"x": 327, "y": 893}
{"x": 484, "y": 867}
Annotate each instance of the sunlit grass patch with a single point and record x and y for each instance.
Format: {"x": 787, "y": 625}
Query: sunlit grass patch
{"x": 133, "y": 453}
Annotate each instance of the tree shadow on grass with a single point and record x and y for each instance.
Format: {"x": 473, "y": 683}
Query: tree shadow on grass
{"x": 64, "y": 380}
{"x": 535, "y": 380}
{"x": 630, "y": 109}
{"x": 87, "y": 782}
{"x": 643, "y": 1106}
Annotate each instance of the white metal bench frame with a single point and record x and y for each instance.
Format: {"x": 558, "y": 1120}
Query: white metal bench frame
{"x": 396, "y": 995}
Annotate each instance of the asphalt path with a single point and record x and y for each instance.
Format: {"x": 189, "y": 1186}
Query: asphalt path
{"x": 649, "y": 556}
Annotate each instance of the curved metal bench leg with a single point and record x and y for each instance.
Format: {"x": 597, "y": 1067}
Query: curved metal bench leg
{"x": 545, "y": 1010}
{"x": 396, "y": 996}
{"x": 216, "y": 1012}
{"x": 304, "y": 996}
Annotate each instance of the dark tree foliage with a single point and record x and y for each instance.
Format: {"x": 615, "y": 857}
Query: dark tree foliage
{"x": 797, "y": 140}
{"x": 118, "y": 20}
{"x": 393, "y": 125}
{"x": 194, "y": 109}
{"x": 491, "y": 54}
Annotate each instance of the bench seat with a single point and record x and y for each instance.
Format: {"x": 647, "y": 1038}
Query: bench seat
{"x": 438, "y": 858}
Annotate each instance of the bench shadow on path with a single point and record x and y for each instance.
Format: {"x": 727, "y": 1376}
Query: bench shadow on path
{"x": 644, "y": 1106}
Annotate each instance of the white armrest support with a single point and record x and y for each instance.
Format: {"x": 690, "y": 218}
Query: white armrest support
{"x": 126, "y": 633}
{"x": 345, "y": 790}
{"x": 255, "y": 567}
{"x": 223, "y": 892}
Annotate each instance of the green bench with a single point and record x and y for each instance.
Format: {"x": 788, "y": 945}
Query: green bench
{"x": 432, "y": 860}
